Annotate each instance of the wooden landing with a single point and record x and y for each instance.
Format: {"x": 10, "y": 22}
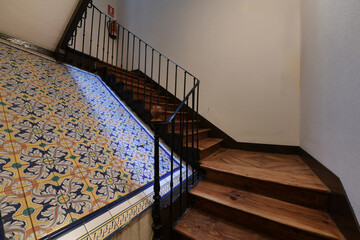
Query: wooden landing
{"x": 247, "y": 206}
{"x": 284, "y": 169}
{"x": 201, "y": 226}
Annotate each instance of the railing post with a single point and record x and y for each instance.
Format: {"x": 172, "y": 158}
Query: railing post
{"x": 156, "y": 215}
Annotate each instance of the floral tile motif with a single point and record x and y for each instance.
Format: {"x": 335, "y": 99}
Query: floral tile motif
{"x": 42, "y": 163}
{"x": 32, "y": 132}
{"x": 109, "y": 184}
{"x": 68, "y": 148}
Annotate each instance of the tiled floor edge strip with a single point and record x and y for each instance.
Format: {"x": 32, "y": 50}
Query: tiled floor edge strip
{"x": 145, "y": 200}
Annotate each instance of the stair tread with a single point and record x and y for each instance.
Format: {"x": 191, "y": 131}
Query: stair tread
{"x": 201, "y": 226}
{"x": 282, "y": 169}
{"x": 208, "y": 142}
{"x": 201, "y": 130}
{"x": 310, "y": 220}
{"x": 154, "y": 102}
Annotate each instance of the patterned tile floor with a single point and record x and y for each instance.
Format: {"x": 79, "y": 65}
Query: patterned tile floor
{"x": 68, "y": 148}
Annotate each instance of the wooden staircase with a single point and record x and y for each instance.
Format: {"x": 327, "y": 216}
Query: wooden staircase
{"x": 140, "y": 93}
{"x": 246, "y": 195}
{"x": 250, "y": 195}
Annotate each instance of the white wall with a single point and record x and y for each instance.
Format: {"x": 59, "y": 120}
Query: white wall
{"x": 246, "y": 54}
{"x": 330, "y": 88}
{"x": 41, "y": 22}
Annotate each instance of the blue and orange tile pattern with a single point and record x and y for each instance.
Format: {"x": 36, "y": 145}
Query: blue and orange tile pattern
{"x": 69, "y": 149}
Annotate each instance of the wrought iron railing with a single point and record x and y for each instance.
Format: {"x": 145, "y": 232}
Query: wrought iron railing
{"x": 147, "y": 80}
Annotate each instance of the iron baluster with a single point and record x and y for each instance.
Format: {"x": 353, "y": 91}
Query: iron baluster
{"x": 132, "y": 64}
{"x": 151, "y": 75}
{"x": 91, "y": 28}
{"x": 122, "y": 56}
{"x": 112, "y": 52}
{"x": 108, "y": 41}
{"x": 197, "y": 130}
{"x": 159, "y": 77}
{"x": 145, "y": 67}
{"x": 138, "y": 92}
{"x": 172, "y": 173}
{"x": 98, "y": 38}
{"x": 103, "y": 57}
{"x": 192, "y": 135}
{"x": 156, "y": 226}
{"x": 117, "y": 51}
{"x": 181, "y": 160}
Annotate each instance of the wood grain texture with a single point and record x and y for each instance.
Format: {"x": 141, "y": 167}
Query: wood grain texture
{"x": 296, "y": 195}
{"x": 312, "y": 221}
{"x": 208, "y": 146}
{"x": 201, "y": 226}
{"x": 285, "y": 169}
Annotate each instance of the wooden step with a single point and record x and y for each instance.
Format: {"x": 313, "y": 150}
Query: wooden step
{"x": 165, "y": 115}
{"x": 126, "y": 75}
{"x": 135, "y": 84}
{"x": 169, "y": 106}
{"x": 201, "y": 226}
{"x": 177, "y": 125}
{"x": 154, "y": 96}
{"x": 162, "y": 99}
{"x": 118, "y": 72}
{"x": 136, "y": 90}
{"x": 208, "y": 145}
{"x": 122, "y": 73}
{"x": 280, "y": 219}
{"x": 202, "y": 133}
{"x": 284, "y": 177}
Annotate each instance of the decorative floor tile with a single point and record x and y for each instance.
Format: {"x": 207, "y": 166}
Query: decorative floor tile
{"x": 70, "y": 151}
{"x": 18, "y": 227}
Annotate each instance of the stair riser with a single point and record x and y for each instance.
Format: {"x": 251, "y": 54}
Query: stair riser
{"x": 134, "y": 84}
{"x": 177, "y": 126}
{"x": 177, "y": 116}
{"x": 291, "y": 194}
{"x": 202, "y": 135}
{"x": 147, "y": 98}
{"x": 206, "y": 152}
{"x": 136, "y": 90}
{"x": 279, "y": 231}
{"x": 168, "y": 107}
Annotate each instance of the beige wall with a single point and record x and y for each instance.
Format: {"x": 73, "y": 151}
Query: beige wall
{"x": 246, "y": 54}
{"x": 330, "y": 88}
{"x": 41, "y": 22}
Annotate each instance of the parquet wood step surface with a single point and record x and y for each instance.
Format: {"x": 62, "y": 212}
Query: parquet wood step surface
{"x": 284, "y": 169}
{"x": 141, "y": 91}
{"x": 309, "y": 221}
{"x": 134, "y": 85}
{"x": 129, "y": 77}
{"x": 169, "y": 106}
{"x": 209, "y": 142}
{"x": 161, "y": 99}
{"x": 208, "y": 146}
{"x": 201, "y": 226}
{"x": 177, "y": 125}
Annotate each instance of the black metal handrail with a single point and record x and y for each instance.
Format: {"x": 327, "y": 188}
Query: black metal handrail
{"x": 143, "y": 77}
